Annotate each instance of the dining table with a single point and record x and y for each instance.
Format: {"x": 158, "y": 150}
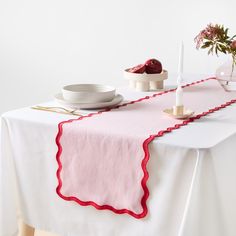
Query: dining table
{"x": 192, "y": 178}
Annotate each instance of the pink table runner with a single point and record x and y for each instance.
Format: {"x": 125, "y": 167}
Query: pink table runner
{"x": 102, "y": 157}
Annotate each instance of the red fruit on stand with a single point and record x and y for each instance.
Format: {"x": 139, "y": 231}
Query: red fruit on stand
{"x": 153, "y": 66}
{"x": 138, "y": 69}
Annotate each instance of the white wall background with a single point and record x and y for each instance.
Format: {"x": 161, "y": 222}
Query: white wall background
{"x": 48, "y": 43}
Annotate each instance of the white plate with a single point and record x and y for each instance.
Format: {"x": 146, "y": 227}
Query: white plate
{"x": 117, "y": 99}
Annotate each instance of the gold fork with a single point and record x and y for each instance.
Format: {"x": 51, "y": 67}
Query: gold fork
{"x": 60, "y": 110}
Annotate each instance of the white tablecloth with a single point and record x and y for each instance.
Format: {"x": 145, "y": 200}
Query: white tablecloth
{"x": 192, "y": 180}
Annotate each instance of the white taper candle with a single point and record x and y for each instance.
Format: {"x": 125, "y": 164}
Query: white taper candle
{"x": 181, "y": 62}
{"x": 179, "y": 96}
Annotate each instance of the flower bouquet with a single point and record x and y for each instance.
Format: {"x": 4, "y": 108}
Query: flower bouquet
{"x": 216, "y": 39}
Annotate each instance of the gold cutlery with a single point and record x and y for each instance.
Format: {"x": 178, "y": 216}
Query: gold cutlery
{"x": 60, "y": 110}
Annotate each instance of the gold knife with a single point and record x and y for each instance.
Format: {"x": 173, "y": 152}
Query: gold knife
{"x": 60, "y": 110}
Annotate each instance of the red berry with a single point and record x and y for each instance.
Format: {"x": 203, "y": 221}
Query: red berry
{"x": 138, "y": 69}
{"x": 153, "y": 66}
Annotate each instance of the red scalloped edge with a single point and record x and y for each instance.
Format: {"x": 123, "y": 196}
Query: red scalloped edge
{"x": 145, "y": 148}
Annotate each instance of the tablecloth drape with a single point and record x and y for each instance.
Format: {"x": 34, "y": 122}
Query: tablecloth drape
{"x": 211, "y": 211}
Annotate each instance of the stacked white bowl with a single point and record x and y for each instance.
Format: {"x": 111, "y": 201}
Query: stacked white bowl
{"x": 88, "y": 93}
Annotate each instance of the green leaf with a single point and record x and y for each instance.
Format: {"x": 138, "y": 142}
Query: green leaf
{"x": 204, "y": 46}
{"x": 233, "y": 36}
{"x": 211, "y": 50}
{"x": 207, "y": 43}
{"x": 226, "y": 31}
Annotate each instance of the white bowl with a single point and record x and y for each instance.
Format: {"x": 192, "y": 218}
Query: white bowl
{"x": 88, "y": 93}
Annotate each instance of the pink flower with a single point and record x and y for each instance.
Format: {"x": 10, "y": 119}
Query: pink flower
{"x": 211, "y": 32}
{"x": 233, "y": 44}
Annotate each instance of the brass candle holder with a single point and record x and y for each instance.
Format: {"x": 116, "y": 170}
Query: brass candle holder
{"x": 179, "y": 112}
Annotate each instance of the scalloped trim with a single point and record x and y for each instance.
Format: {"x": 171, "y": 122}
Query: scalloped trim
{"x": 145, "y": 148}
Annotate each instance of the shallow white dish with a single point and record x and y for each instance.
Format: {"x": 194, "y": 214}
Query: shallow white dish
{"x": 75, "y": 105}
{"x": 146, "y": 82}
{"x": 88, "y": 93}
